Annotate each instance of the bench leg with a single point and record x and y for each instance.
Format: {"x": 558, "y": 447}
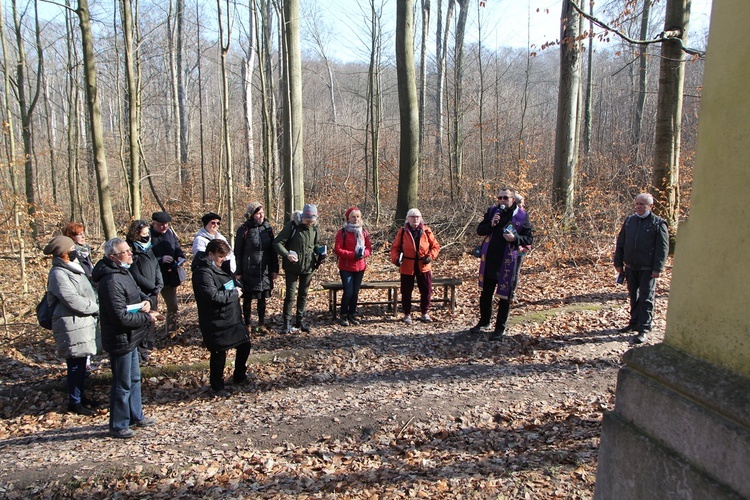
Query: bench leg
{"x": 453, "y": 297}
{"x": 332, "y": 301}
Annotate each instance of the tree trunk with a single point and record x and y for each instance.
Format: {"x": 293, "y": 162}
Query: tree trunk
{"x": 458, "y": 113}
{"x": 567, "y": 112}
{"x": 441, "y": 53}
{"x": 589, "y": 86}
{"x": 642, "y": 82}
{"x": 408, "y": 171}
{"x": 423, "y": 71}
{"x": 225, "y": 41}
{"x": 199, "y": 65}
{"x": 374, "y": 107}
{"x": 182, "y": 103}
{"x": 10, "y": 133}
{"x": 95, "y": 120}
{"x": 134, "y": 134}
{"x": 666, "y": 175}
{"x": 247, "y": 97}
{"x": 294, "y": 192}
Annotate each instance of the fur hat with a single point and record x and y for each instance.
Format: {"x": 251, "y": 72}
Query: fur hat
{"x": 349, "y": 211}
{"x": 252, "y": 209}
{"x": 58, "y": 245}
{"x": 161, "y": 217}
{"x": 310, "y": 212}
{"x": 209, "y": 217}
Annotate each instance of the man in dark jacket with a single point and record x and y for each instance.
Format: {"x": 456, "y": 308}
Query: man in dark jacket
{"x": 298, "y": 245}
{"x": 506, "y": 227}
{"x": 125, "y": 314}
{"x": 167, "y": 250}
{"x": 640, "y": 255}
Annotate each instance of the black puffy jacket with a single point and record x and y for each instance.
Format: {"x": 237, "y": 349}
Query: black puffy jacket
{"x": 121, "y": 330}
{"x": 219, "y": 311}
{"x": 256, "y": 258}
{"x": 643, "y": 243}
{"x": 145, "y": 270}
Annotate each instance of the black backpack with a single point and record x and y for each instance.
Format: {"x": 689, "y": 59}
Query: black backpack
{"x": 44, "y": 312}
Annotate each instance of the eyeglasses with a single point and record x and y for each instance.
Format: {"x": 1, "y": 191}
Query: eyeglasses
{"x": 128, "y": 251}
{"x": 215, "y": 223}
{"x": 503, "y": 197}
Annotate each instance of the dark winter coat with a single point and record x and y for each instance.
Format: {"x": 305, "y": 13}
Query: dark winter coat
{"x": 167, "y": 244}
{"x": 121, "y": 330}
{"x": 219, "y": 311}
{"x": 256, "y": 258}
{"x": 75, "y": 308}
{"x": 643, "y": 243}
{"x": 497, "y": 244}
{"x": 302, "y": 239}
{"x": 145, "y": 271}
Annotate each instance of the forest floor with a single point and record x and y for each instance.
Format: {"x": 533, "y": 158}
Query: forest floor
{"x": 379, "y": 410}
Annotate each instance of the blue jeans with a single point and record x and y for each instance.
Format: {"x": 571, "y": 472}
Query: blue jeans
{"x": 75, "y": 378}
{"x": 352, "y": 281}
{"x": 125, "y": 407}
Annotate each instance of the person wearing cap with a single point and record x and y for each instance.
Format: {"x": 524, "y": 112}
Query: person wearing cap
{"x": 257, "y": 262}
{"x": 352, "y": 247}
{"x": 210, "y": 231}
{"x": 167, "y": 250}
{"x": 413, "y": 250}
{"x": 74, "y": 306}
{"x": 146, "y": 273}
{"x": 505, "y": 228}
{"x": 125, "y": 314}
{"x": 298, "y": 245}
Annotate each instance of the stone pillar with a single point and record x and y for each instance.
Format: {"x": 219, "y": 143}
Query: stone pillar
{"x": 681, "y": 424}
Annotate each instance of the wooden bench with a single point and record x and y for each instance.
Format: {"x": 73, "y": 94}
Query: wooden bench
{"x": 448, "y": 298}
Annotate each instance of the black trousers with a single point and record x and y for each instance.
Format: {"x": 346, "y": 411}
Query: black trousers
{"x": 219, "y": 360}
{"x": 642, "y": 291}
{"x": 485, "y": 306}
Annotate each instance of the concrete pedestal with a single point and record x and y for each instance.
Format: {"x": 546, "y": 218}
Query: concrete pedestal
{"x": 680, "y": 429}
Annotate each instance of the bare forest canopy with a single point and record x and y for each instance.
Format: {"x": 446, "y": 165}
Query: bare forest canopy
{"x": 506, "y": 111}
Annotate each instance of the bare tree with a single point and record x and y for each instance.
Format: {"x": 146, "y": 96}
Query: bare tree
{"x": 408, "y": 171}
{"x": 567, "y": 111}
{"x": 458, "y": 113}
{"x": 134, "y": 133}
{"x": 642, "y": 81}
{"x": 294, "y": 188}
{"x": 95, "y": 120}
{"x": 249, "y": 49}
{"x": 441, "y": 54}
{"x": 666, "y": 174}
{"x": 423, "y": 72}
{"x": 374, "y": 105}
{"x": 224, "y": 44}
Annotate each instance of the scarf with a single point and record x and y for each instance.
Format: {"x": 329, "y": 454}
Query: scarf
{"x": 508, "y": 264}
{"x": 359, "y": 247}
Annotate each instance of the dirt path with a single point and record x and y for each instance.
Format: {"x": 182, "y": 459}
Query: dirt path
{"x": 377, "y": 411}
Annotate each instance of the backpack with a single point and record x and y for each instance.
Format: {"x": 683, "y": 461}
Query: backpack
{"x": 44, "y": 313}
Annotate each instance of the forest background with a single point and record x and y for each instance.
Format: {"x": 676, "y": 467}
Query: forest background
{"x": 197, "y": 91}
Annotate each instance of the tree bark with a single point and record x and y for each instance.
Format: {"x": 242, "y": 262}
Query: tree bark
{"x": 642, "y": 82}
{"x": 408, "y": 172}
{"x": 225, "y": 41}
{"x": 567, "y": 112}
{"x": 134, "y": 134}
{"x": 666, "y": 176}
{"x": 95, "y": 120}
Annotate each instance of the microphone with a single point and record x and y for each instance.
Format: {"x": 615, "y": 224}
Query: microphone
{"x": 502, "y": 207}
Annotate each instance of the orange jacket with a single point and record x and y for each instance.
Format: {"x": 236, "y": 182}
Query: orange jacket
{"x": 404, "y": 242}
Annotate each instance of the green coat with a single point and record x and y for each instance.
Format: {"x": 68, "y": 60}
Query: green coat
{"x": 301, "y": 238}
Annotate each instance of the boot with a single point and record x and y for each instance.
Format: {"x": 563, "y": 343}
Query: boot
{"x": 304, "y": 328}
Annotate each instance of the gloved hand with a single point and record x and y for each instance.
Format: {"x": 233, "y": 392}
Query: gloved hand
{"x": 426, "y": 259}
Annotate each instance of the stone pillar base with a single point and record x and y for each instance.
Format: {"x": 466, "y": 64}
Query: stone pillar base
{"x": 680, "y": 429}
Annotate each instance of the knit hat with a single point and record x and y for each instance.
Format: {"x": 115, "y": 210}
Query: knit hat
{"x": 209, "y": 217}
{"x": 161, "y": 217}
{"x": 351, "y": 209}
{"x": 58, "y": 245}
{"x": 252, "y": 209}
{"x": 414, "y": 212}
{"x": 310, "y": 212}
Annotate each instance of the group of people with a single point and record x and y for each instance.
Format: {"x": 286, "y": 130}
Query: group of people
{"x": 113, "y": 304}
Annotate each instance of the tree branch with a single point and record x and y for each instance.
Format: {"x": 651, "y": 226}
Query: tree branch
{"x": 674, "y": 34}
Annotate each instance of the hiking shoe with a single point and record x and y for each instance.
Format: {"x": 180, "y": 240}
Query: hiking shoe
{"x": 479, "y": 328}
{"x": 287, "y": 328}
{"x": 79, "y": 409}
{"x": 495, "y": 337}
{"x": 304, "y": 328}
{"x": 121, "y": 433}
{"x": 426, "y": 318}
{"x": 626, "y": 329}
{"x": 144, "y": 422}
{"x": 407, "y": 319}
{"x": 639, "y": 339}
{"x": 221, "y": 393}
{"x": 91, "y": 403}
{"x": 353, "y": 320}
{"x": 343, "y": 321}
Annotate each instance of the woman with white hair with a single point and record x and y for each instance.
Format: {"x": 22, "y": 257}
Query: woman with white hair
{"x": 413, "y": 250}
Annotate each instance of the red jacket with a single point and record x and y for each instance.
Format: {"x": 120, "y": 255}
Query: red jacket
{"x": 344, "y": 250}
{"x": 404, "y": 242}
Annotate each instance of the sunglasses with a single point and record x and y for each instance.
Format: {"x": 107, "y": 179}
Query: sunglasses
{"x": 503, "y": 197}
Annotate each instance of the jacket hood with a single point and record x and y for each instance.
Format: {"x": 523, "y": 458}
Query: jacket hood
{"x": 200, "y": 260}
{"x": 104, "y": 267}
